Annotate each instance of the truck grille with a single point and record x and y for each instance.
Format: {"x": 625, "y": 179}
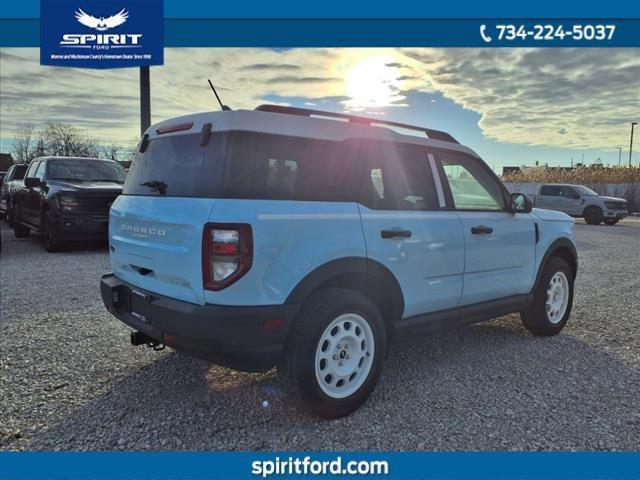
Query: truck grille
{"x": 616, "y": 205}
{"x": 97, "y": 205}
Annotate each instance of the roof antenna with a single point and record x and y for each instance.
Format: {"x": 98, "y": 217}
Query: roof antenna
{"x": 223, "y": 107}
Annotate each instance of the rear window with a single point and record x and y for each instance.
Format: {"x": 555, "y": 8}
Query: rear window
{"x": 177, "y": 166}
{"x": 550, "y": 190}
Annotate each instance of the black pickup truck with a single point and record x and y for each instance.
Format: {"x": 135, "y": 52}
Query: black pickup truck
{"x": 65, "y": 199}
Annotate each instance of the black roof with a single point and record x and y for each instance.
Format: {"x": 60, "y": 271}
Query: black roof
{"x": 305, "y": 112}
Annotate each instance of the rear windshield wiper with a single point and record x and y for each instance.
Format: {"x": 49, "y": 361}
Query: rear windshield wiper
{"x": 158, "y": 185}
{"x": 106, "y": 180}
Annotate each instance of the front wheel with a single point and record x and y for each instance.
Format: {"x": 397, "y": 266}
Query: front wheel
{"x": 552, "y": 301}
{"x": 593, "y": 215}
{"x": 335, "y": 355}
{"x": 50, "y": 234}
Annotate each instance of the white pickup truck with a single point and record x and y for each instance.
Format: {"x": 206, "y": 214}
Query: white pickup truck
{"x": 580, "y": 201}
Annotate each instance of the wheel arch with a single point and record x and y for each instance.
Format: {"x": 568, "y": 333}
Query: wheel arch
{"x": 364, "y": 275}
{"x": 564, "y": 249}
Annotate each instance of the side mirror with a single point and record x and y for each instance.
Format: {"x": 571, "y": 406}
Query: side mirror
{"x": 31, "y": 182}
{"x": 520, "y": 203}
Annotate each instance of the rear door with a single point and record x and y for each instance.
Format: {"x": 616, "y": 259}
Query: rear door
{"x": 156, "y": 226}
{"x": 550, "y": 197}
{"x": 499, "y": 245}
{"x": 405, "y": 229}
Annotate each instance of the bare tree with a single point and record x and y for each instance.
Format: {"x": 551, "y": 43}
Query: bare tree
{"x": 65, "y": 140}
{"x": 111, "y": 151}
{"x": 24, "y": 148}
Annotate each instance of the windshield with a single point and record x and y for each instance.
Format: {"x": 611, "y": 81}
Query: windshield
{"x": 86, "y": 171}
{"x": 178, "y": 166}
{"x": 584, "y": 190}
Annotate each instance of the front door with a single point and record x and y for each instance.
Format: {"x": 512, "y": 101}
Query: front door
{"x": 406, "y": 231}
{"x": 499, "y": 245}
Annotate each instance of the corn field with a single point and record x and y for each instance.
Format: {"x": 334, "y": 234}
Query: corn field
{"x": 577, "y": 176}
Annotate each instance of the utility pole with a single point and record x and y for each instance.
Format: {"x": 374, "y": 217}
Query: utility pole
{"x": 145, "y": 99}
{"x": 619, "y": 155}
{"x": 633, "y": 124}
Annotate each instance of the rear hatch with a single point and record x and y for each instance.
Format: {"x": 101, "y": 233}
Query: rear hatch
{"x": 156, "y": 225}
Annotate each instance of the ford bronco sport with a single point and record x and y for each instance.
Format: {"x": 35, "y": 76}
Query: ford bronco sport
{"x": 308, "y": 240}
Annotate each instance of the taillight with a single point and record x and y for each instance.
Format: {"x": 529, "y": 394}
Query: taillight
{"x": 227, "y": 253}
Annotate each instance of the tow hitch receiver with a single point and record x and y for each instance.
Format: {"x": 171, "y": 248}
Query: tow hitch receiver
{"x": 139, "y": 338}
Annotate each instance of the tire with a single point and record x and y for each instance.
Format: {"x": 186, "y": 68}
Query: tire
{"x": 19, "y": 230}
{"x": 9, "y": 216}
{"x": 611, "y": 221}
{"x": 335, "y": 352}
{"x": 593, "y": 215}
{"x": 50, "y": 235}
{"x": 552, "y": 301}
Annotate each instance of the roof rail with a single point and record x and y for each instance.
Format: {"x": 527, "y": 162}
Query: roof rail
{"x": 305, "y": 112}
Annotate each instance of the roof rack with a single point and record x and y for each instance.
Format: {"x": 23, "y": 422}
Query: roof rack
{"x": 305, "y": 112}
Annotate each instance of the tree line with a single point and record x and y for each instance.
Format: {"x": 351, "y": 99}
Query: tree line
{"x": 63, "y": 139}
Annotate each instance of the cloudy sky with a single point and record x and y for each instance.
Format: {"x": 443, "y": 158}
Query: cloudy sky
{"x": 513, "y": 106}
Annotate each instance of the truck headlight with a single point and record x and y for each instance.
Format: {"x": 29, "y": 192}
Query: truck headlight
{"x": 68, "y": 204}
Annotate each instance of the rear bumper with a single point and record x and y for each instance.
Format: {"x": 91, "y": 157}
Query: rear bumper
{"x": 243, "y": 338}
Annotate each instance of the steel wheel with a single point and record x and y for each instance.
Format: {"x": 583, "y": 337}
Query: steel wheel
{"x": 557, "y": 297}
{"x": 344, "y": 355}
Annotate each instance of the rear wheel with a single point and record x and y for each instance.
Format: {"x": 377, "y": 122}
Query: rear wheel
{"x": 552, "y": 301}
{"x": 50, "y": 234}
{"x": 593, "y": 215}
{"x": 19, "y": 230}
{"x": 611, "y": 221}
{"x": 336, "y": 352}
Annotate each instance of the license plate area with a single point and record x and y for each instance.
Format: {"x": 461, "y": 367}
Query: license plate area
{"x": 140, "y": 304}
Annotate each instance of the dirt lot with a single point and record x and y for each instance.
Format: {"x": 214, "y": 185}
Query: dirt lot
{"x": 70, "y": 380}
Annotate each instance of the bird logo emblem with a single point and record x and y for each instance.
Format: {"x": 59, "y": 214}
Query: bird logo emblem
{"x": 101, "y": 24}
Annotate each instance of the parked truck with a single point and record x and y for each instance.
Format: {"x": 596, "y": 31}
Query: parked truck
{"x": 582, "y": 202}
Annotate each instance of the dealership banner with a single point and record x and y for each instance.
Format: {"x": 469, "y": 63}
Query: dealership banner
{"x": 399, "y": 465}
{"x": 101, "y": 34}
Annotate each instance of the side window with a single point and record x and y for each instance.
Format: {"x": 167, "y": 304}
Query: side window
{"x": 32, "y": 169}
{"x": 550, "y": 190}
{"x": 397, "y": 177}
{"x": 40, "y": 171}
{"x": 9, "y": 176}
{"x": 570, "y": 193}
{"x": 278, "y": 167}
{"x": 472, "y": 187}
{"x": 19, "y": 172}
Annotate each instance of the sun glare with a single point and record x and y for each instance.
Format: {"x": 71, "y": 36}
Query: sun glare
{"x": 371, "y": 82}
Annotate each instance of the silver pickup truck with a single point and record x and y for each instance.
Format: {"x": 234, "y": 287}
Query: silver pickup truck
{"x": 580, "y": 201}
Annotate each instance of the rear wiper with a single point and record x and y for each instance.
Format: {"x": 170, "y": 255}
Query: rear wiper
{"x": 106, "y": 180}
{"x": 158, "y": 185}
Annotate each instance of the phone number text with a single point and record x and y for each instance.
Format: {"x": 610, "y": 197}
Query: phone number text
{"x": 555, "y": 32}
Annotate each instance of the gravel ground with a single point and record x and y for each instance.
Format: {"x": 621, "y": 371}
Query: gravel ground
{"x": 70, "y": 380}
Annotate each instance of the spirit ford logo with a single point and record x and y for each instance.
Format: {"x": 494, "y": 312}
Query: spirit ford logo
{"x": 100, "y": 39}
{"x": 143, "y": 231}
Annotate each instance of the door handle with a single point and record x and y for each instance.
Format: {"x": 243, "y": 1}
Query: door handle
{"x": 481, "y": 230}
{"x": 395, "y": 233}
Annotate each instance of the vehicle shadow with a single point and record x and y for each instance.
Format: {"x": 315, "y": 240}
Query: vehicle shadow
{"x": 486, "y": 387}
